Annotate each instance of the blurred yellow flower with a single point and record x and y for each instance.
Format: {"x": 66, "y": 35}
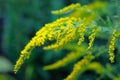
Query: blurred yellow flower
{"x": 66, "y": 9}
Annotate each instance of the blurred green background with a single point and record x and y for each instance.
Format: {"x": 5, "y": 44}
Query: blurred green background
{"x": 19, "y": 20}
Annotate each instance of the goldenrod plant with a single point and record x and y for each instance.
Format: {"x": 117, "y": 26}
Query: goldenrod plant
{"x": 77, "y": 30}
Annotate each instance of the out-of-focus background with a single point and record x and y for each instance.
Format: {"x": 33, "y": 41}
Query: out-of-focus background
{"x": 19, "y": 20}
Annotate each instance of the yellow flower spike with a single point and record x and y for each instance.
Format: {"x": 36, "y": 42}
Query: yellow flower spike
{"x": 65, "y": 61}
{"x": 89, "y": 11}
{"x": 20, "y": 61}
{"x": 80, "y": 67}
{"x": 37, "y": 40}
{"x": 81, "y": 30}
{"x": 92, "y": 37}
{"x": 66, "y": 9}
{"x": 111, "y": 46}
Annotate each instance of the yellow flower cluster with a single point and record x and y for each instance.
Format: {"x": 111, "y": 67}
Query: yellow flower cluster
{"x": 38, "y": 40}
{"x": 111, "y": 46}
{"x": 64, "y": 30}
{"x": 89, "y": 11}
{"x": 81, "y": 30}
{"x": 65, "y": 61}
{"x": 68, "y": 37}
{"x": 66, "y": 9}
{"x": 80, "y": 67}
{"x": 92, "y": 37}
{"x": 57, "y": 28}
{"x": 61, "y": 30}
{"x": 64, "y": 34}
{"x": 47, "y": 32}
